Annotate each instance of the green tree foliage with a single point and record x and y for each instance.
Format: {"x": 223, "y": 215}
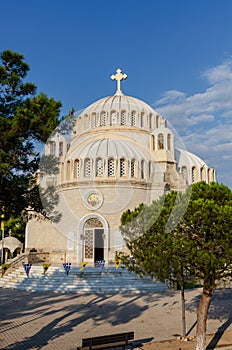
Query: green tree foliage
{"x": 26, "y": 119}
{"x": 198, "y": 247}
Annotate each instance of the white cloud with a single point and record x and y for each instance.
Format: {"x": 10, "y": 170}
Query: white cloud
{"x": 219, "y": 73}
{"x": 204, "y": 119}
{"x": 171, "y": 96}
{"x": 201, "y": 118}
{"x": 226, "y": 114}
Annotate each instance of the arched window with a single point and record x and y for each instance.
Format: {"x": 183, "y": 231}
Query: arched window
{"x": 142, "y": 169}
{"x": 141, "y": 120}
{"x": 111, "y": 170}
{"x": 160, "y": 141}
{"x": 157, "y": 121}
{"x": 169, "y": 139}
{"x": 76, "y": 169}
{"x": 184, "y": 172}
{"x": 61, "y": 147}
{"x": 203, "y": 174}
{"x": 87, "y": 167}
{"x": 123, "y": 118}
{"x": 113, "y": 118}
{"x": 150, "y": 121}
{"x": 99, "y": 167}
{"x": 122, "y": 167}
{"x": 133, "y": 118}
{"x": 103, "y": 118}
{"x": 94, "y": 119}
{"x": 194, "y": 174}
{"x": 152, "y": 142}
{"x": 132, "y": 167}
{"x": 62, "y": 172}
{"x": 53, "y": 148}
{"x": 166, "y": 189}
{"x": 68, "y": 170}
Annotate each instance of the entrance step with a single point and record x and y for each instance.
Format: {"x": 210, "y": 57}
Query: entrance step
{"x": 89, "y": 280}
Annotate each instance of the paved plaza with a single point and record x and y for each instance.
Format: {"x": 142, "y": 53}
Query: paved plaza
{"x": 45, "y": 320}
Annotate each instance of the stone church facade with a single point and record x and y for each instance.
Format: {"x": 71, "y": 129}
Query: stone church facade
{"x": 120, "y": 153}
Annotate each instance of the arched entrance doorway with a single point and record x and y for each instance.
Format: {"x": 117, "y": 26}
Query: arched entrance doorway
{"x": 93, "y": 242}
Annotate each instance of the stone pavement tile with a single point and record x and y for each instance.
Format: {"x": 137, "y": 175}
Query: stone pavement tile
{"x": 45, "y": 320}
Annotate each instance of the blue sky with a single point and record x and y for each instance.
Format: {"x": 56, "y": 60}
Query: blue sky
{"x": 177, "y": 55}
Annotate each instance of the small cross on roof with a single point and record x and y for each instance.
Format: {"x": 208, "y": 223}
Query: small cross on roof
{"x": 118, "y": 77}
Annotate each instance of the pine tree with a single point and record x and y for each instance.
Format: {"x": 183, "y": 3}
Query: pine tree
{"x": 184, "y": 237}
{"x": 26, "y": 119}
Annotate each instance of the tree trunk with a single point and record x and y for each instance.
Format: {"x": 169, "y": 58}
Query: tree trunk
{"x": 202, "y": 313}
{"x": 183, "y": 311}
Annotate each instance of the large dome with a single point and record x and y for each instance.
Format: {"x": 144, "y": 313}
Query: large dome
{"x": 118, "y": 110}
{"x": 119, "y": 102}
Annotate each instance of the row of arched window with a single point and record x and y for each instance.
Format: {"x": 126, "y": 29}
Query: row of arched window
{"x": 114, "y": 118}
{"x": 73, "y": 170}
{"x": 201, "y": 174}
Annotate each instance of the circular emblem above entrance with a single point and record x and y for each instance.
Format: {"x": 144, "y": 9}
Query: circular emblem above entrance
{"x": 93, "y": 199}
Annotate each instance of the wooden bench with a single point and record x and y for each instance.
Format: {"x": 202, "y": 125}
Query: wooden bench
{"x": 120, "y": 340}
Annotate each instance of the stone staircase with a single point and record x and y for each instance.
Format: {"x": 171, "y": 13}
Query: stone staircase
{"x": 89, "y": 280}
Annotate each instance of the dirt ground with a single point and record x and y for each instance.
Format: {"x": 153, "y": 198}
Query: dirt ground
{"x": 214, "y": 341}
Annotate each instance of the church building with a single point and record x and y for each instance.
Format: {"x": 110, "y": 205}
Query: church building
{"x": 120, "y": 153}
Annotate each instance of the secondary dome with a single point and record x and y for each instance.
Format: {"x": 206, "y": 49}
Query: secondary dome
{"x": 108, "y": 159}
{"x": 106, "y": 148}
{"x": 187, "y": 158}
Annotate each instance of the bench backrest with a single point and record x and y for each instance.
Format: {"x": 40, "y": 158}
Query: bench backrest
{"x": 108, "y": 339}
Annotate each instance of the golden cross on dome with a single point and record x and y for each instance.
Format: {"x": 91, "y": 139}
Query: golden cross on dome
{"x": 118, "y": 76}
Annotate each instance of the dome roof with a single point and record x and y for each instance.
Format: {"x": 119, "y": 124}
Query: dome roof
{"x": 119, "y": 102}
{"x": 187, "y": 158}
{"x": 106, "y": 148}
{"x": 12, "y": 243}
{"x": 118, "y": 110}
